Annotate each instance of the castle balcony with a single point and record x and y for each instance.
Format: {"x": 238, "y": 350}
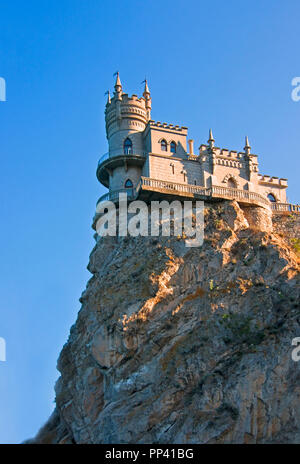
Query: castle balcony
{"x": 152, "y": 189}
{"x": 282, "y": 208}
{"x": 115, "y": 158}
{"x": 149, "y": 187}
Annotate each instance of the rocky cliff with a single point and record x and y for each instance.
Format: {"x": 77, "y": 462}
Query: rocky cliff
{"x": 186, "y": 345}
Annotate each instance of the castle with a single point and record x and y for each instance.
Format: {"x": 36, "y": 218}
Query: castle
{"x": 151, "y": 160}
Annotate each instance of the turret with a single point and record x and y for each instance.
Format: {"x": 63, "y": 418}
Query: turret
{"x": 126, "y": 119}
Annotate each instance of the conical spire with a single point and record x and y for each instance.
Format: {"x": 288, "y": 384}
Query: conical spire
{"x": 118, "y": 85}
{"x": 147, "y": 98}
{"x": 211, "y": 140}
{"x": 247, "y": 146}
{"x": 146, "y": 93}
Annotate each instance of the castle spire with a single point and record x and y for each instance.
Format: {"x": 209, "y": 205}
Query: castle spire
{"x": 211, "y": 140}
{"x": 147, "y": 97}
{"x": 247, "y": 146}
{"x": 118, "y": 85}
{"x": 146, "y": 93}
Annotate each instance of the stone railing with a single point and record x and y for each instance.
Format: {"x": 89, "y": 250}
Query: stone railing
{"x": 174, "y": 186}
{"x": 244, "y": 196}
{"x": 208, "y": 192}
{"x": 285, "y": 208}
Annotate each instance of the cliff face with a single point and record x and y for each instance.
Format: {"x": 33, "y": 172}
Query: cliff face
{"x": 186, "y": 345}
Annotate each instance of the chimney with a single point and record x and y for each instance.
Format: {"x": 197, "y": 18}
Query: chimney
{"x": 191, "y": 146}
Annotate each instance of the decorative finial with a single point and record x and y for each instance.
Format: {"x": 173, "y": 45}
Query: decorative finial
{"x": 211, "y": 140}
{"x": 247, "y": 146}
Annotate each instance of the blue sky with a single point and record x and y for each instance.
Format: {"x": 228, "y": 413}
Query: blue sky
{"x": 225, "y": 65}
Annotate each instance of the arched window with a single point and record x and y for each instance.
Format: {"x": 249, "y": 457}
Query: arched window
{"x": 164, "y": 145}
{"x": 173, "y": 147}
{"x": 271, "y": 198}
{"x": 127, "y": 146}
{"x": 231, "y": 183}
{"x": 128, "y": 184}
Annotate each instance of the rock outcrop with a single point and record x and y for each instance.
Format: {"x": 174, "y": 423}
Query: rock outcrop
{"x": 186, "y": 345}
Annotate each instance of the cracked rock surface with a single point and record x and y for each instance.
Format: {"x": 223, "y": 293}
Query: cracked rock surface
{"x": 186, "y": 345}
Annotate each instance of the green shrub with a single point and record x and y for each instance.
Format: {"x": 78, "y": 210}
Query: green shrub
{"x": 296, "y": 244}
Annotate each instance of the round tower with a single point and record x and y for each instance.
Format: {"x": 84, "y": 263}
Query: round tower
{"x": 125, "y": 119}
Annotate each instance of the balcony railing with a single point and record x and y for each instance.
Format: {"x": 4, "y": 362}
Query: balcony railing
{"x": 103, "y": 158}
{"x": 214, "y": 192}
{"x": 285, "y": 208}
{"x": 121, "y": 152}
{"x": 204, "y": 192}
{"x": 231, "y": 193}
{"x": 174, "y": 186}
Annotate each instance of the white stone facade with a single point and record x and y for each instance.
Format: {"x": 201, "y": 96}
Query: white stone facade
{"x": 140, "y": 147}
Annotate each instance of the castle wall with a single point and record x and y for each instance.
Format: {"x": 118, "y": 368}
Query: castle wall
{"x": 221, "y": 165}
{"x": 279, "y": 193}
{"x": 116, "y": 141}
{"x": 157, "y": 131}
{"x": 171, "y": 169}
{"x": 146, "y": 168}
{"x": 225, "y": 170}
{"x": 120, "y": 175}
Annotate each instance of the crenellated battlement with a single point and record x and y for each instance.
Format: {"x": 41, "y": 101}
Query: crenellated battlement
{"x": 225, "y": 152}
{"x": 126, "y": 103}
{"x": 271, "y": 180}
{"x": 164, "y": 125}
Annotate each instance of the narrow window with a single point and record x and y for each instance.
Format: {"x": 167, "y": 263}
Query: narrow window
{"x": 127, "y": 146}
{"x": 164, "y": 145}
{"x": 271, "y": 198}
{"x": 173, "y": 147}
{"x": 128, "y": 184}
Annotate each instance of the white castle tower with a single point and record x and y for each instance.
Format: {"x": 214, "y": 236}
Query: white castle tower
{"x": 126, "y": 119}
